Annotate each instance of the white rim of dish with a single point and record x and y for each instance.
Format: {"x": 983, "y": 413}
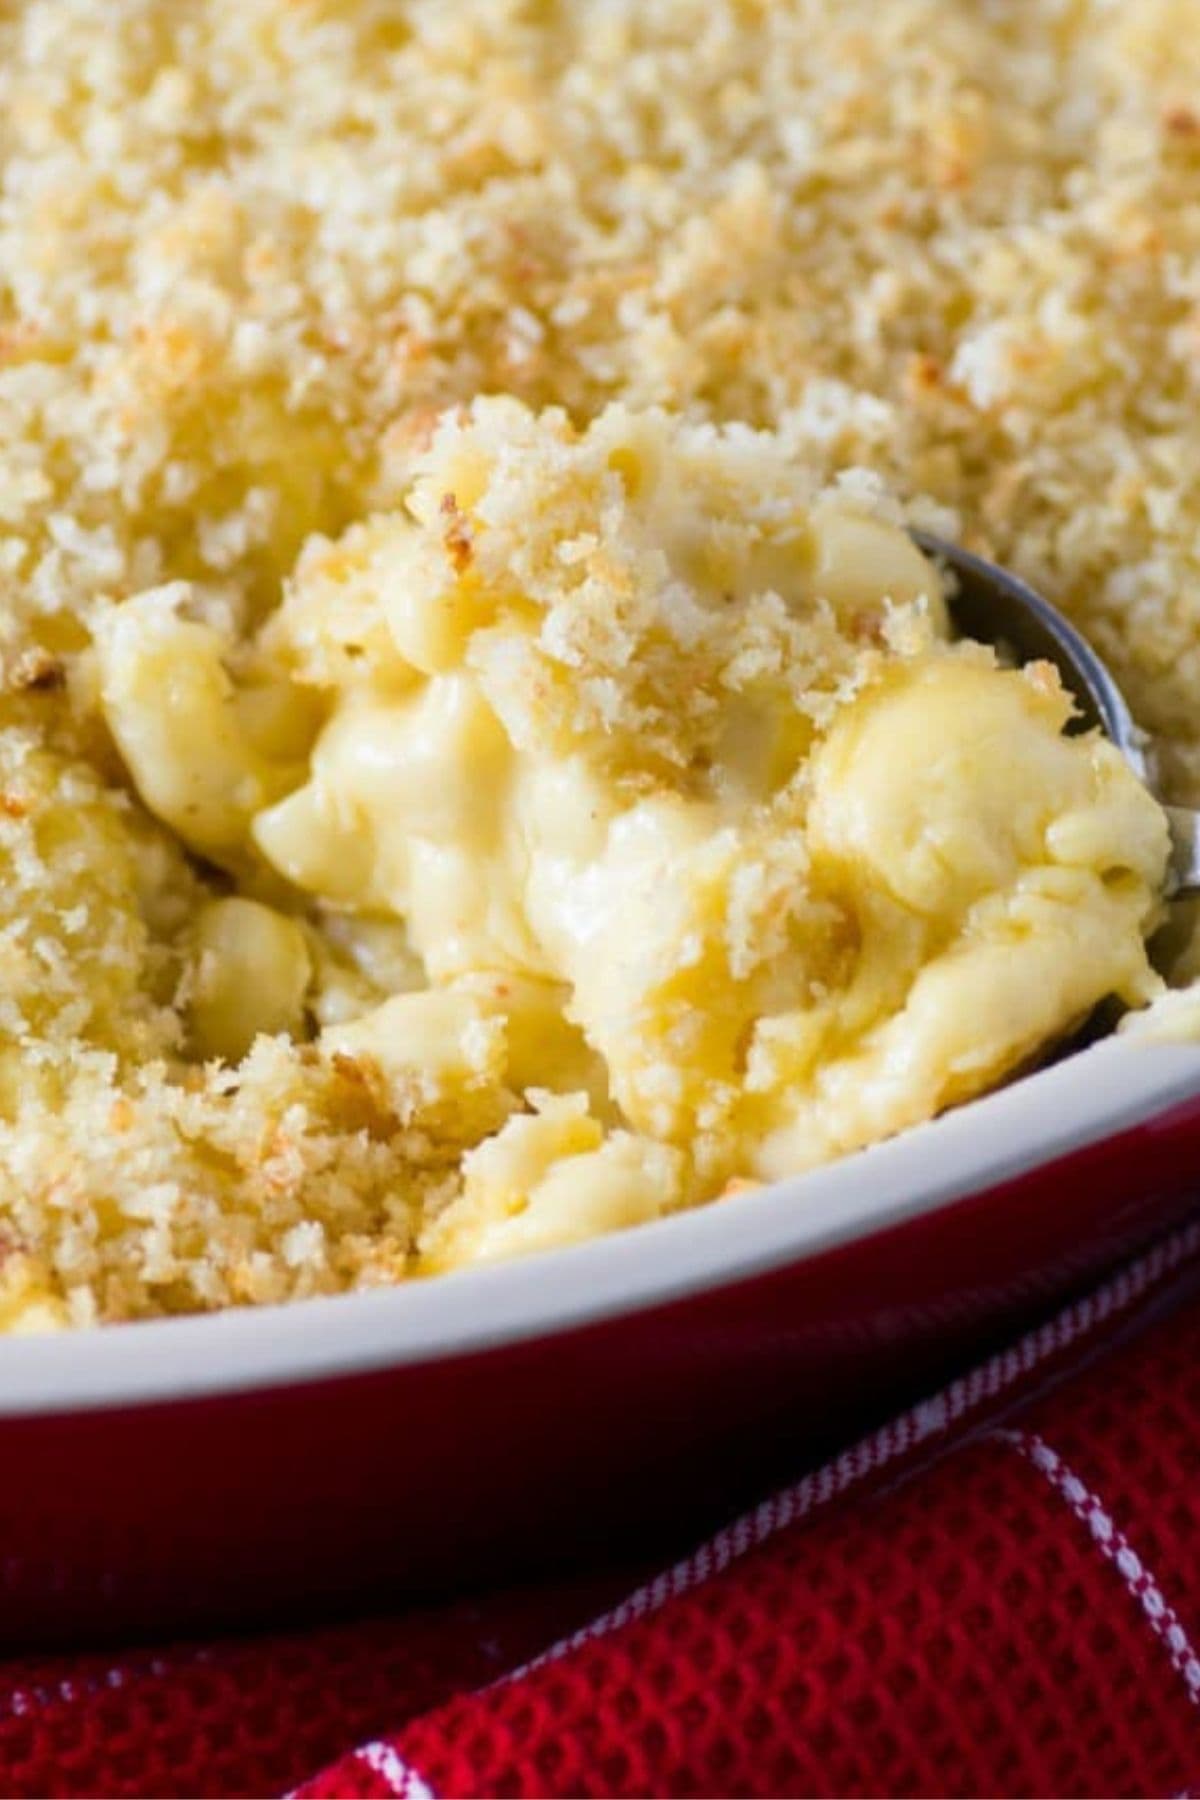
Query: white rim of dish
{"x": 1098, "y": 1092}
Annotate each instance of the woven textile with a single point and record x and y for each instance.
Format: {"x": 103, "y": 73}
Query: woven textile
{"x": 998, "y": 1593}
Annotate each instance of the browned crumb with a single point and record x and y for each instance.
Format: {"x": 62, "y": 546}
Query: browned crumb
{"x": 37, "y": 670}
{"x": 457, "y": 535}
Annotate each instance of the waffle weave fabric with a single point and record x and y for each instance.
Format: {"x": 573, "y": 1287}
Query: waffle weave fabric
{"x": 997, "y": 1593}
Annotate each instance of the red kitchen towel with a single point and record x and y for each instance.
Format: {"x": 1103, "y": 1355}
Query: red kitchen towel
{"x": 997, "y": 1593}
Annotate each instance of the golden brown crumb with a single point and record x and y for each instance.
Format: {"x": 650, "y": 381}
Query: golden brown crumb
{"x": 38, "y": 671}
{"x": 457, "y": 535}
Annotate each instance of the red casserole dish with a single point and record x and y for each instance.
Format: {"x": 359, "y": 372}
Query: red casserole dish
{"x": 263, "y": 1464}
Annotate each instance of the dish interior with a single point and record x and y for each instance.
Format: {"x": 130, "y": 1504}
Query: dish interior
{"x": 483, "y": 763}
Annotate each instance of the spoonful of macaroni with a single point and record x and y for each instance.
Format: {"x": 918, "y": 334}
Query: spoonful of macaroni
{"x": 994, "y": 607}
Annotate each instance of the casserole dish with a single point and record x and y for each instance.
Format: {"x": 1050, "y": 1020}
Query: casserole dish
{"x": 247, "y": 1465}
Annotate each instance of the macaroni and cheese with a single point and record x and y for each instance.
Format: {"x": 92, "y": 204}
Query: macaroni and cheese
{"x": 482, "y": 761}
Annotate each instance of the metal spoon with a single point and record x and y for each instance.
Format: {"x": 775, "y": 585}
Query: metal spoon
{"x": 993, "y": 607}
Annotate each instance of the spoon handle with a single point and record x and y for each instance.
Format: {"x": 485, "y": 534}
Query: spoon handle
{"x": 1183, "y": 870}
